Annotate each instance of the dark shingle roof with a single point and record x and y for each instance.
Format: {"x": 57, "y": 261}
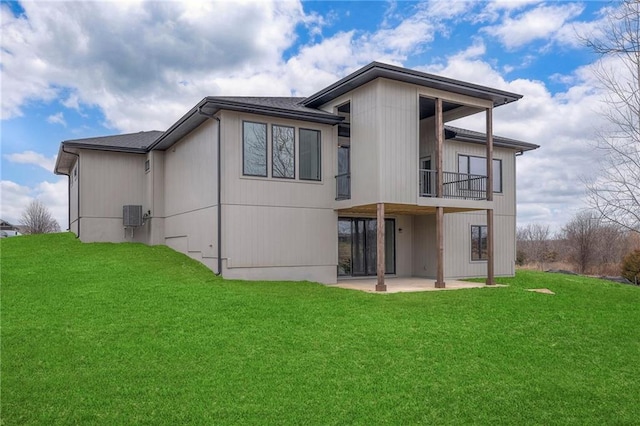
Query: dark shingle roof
{"x": 130, "y": 142}
{"x": 288, "y": 103}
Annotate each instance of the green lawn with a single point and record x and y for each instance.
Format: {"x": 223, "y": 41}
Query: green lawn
{"x": 125, "y": 333}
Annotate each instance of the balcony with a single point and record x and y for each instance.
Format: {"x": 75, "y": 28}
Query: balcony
{"x": 455, "y": 185}
{"x": 343, "y": 186}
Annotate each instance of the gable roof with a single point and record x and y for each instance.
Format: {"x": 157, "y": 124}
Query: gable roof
{"x": 376, "y": 69}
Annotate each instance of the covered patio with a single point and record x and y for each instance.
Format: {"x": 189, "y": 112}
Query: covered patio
{"x": 405, "y": 284}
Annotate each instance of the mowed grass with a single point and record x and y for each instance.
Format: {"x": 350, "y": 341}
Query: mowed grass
{"x": 130, "y": 334}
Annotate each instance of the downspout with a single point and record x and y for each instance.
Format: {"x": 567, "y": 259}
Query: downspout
{"x": 219, "y": 191}
{"x": 69, "y": 192}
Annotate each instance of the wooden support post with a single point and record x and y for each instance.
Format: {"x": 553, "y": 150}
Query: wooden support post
{"x": 439, "y": 148}
{"x": 440, "y": 250}
{"x": 490, "y": 229}
{"x": 489, "y": 154}
{"x": 490, "y": 258}
{"x": 380, "y": 286}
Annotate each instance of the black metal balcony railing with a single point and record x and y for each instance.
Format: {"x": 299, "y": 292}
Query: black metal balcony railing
{"x": 454, "y": 185}
{"x": 343, "y": 186}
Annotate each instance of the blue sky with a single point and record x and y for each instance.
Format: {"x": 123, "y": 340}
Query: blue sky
{"x": 79, "y": 69}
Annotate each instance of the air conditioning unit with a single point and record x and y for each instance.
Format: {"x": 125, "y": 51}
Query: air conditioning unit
{"x": 132, "y": 216}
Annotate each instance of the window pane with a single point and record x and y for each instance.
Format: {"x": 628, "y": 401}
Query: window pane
{"x": 389, "y": 246}
{"x": 497, "y": 175}
{"x": 282, "y": 147}
{"x": 255, "y": 149}
{"x": 463, "y": 164}
{"x": 475, "y": 238}
{"x": 309, "y": 154}
{"x": 478, "y": 242}
{"x": 478, "y": 166}
{"x": 344, "y": 246}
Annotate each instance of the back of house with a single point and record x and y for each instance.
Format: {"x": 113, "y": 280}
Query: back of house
{"x": 285, "y": 188}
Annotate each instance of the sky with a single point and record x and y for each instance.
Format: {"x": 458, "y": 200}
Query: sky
{"x": 73, "y": 70}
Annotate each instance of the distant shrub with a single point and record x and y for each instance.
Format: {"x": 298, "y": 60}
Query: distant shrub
{"x": 631, "y": 266}
{"x": 521, "y": 257}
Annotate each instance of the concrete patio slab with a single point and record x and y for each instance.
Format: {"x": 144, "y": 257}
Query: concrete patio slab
{"x": 403, "y": 285}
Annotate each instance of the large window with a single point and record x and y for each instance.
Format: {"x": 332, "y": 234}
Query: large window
{"x": 357, "y": 246}
{"x": 310, "y": 161}
{"x": 478, "y": 166}
{"x": 254, "y": 149}
{"x": 282, "y": 152}
{"x": 478, "y": 242}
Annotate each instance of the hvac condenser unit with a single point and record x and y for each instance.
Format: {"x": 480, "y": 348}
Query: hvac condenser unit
{"x": 132, "y": 216}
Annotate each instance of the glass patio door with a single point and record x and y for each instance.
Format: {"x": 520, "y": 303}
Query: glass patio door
{"x": 357, "y": 251}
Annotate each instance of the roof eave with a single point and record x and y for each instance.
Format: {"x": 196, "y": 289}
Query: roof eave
{"x": 376, "y": 70}
{"x": 497, "y": 141}
{"x": 212, "y": 105}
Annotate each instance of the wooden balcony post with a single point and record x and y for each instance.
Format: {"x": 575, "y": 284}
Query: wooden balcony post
{"x": 490, "y": 230}
{"x": 440, "y": 247}
{"x": 490, "y": 258}
{"x": 489, "y": 154}
{"x": 380, "y": 286}
{"x": 439, "y": 148}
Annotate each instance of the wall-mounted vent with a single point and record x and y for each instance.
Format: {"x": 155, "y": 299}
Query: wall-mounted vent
{"x": 132, "y": 216}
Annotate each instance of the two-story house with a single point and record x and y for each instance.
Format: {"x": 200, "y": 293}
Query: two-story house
{"x": 362, "y": 178}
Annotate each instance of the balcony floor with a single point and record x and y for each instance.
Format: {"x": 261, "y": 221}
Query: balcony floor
{"x": 405, "y": 284}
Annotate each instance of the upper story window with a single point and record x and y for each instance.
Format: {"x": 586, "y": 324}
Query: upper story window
{"x": 310, "y": 155}
{"x": 478, "y": 166}
{"x": 283, "y": 152}
{"x": 254, "y": 149}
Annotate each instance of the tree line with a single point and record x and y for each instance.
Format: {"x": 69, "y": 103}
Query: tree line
{"x": 587, "y": 244}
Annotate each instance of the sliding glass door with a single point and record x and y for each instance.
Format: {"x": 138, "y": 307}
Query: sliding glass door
{"x": 357, "y": 246}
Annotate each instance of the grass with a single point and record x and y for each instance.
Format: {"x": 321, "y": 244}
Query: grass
{"x": 125, "y": 333}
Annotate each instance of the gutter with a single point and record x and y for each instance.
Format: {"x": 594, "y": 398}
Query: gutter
{"x": 69, "y": 192}
{"x": 201, "y": 112}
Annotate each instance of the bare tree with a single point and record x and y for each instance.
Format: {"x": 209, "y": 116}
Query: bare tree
{"x": 594, "y": 244}
{"x": 533, "y": 241}
{"x": 37, "y": 219}
{"x": 615, "y": 192}
{"x": 581, "y": 237}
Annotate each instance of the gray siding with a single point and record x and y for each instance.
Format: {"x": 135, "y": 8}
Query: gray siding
{"x": 110, "y": 180}
{"x": 398, "y": 129}
{"x": 190, "y": 194}
{"x": 278, "y": 228}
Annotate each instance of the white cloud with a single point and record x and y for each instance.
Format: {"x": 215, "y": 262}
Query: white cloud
{"x": 136, "y": 54}
{"x": 31, "y": 157}
{"x": 541, "y": 22}
{"x": 57, "y": 118}
{"x": 14, "y": 198}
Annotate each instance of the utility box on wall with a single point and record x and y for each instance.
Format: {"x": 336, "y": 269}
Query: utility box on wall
{"x": 132, "y": 216}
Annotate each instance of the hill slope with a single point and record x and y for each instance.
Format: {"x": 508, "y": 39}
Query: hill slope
{"x": 125, "y": 333}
